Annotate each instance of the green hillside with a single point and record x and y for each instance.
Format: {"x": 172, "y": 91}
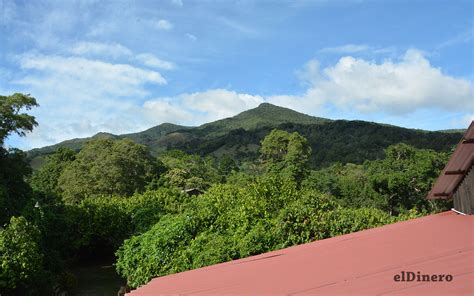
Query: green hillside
{"x": 239, "y": 137}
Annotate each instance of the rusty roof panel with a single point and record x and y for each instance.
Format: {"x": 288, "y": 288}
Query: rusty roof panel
{"x": 445, "y": 186}
{"x": 457, "y": 167}
{"x": 461, "y": 159}
{"x": 469, "y": 136}
{"x": 360, "y": 263}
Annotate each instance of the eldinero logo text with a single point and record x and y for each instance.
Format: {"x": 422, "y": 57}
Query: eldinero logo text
{"x": 410, "y": 276}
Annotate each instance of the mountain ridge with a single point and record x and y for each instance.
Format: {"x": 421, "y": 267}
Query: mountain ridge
{"x": 239, "y": 136}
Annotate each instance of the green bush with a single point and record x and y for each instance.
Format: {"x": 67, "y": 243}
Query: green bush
{"x": 20, "y": 256}
{"x": 154, "y": 252}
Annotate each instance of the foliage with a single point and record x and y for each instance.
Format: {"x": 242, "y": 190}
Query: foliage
{"x": 233, "y": 221}
{"x": 114, "y": 197}
{"x": 14, "y": 191}
{"x": 11, "y": 120}
{"x": 405, "y": 175}
{"x": 20, "y": 257}
{"x": 286, "y": 153}
{"x": 45, "y": 179}
{"x": 153, "y": 252}
{"x": 396, "y": 183}
{"x": 186, "y": 171}
{"x": 107, "y": 167}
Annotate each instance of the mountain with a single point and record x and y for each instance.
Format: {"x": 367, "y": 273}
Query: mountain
{"x": 239, "y": 137}
{"x": 265, "y": 115}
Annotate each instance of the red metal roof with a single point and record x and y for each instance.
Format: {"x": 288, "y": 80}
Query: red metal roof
{"x": 456, "y": 168}
{"x": 361, "y": 263}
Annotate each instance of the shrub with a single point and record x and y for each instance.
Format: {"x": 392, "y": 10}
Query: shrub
{"x": 20, "y": 256}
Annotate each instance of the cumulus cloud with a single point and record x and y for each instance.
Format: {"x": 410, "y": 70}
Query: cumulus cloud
{"x": 162, "y": 24}
{"x": 151, "y": 60}
{"x": 80, "y": 96}
{"x": 201, "y": 107}
{"x": 91, "y": 95}
{"x": 116, "y": 50}
{"x": 220, "y": 103}
{"x": 97, "y": 48}
{"x": 161, "y": 111}
{"x": 395, "y": 87}
{"x": 87, "y": 75}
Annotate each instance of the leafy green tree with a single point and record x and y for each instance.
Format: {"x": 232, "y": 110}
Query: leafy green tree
{"x": 14, "y": 191}
{"x": 107, "y": 167}
{"x": 286, "y": 153}
{"x": 187, "y": 171}
{"x": 46, "y": 178}
{"x": 348, "y": 184}
{"x": 11, "y": 118}
{"x": 20, "y": 257}
{"x": 405, "y": 176}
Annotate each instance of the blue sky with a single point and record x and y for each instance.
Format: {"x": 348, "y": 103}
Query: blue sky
{"x": 124, "y": 66}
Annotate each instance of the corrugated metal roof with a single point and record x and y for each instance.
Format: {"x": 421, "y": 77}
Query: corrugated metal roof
{"x": 470, "y": 133}
{"x": 456, "y": 168}
{"x": 361, "y": 263}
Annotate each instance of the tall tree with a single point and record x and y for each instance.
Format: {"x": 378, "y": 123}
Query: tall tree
{"x": 14, "y": 191}
{"x": 405, "y": 175}
{"x": 188, "y": 171}
{"x": 46, "y": 178}
{"x": 11, "y": 118}
{"x": 108, "y": 167}
{"x": 286, "y": 153}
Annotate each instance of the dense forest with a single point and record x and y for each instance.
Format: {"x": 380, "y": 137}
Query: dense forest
{"x": 158, "y": 207}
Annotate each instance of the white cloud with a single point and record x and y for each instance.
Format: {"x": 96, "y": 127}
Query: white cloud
{"x": 160, "y": 111}
{"x": 310, "y": 73}
{"x": 116, "y": 50}
{"x": 88, "y": 75}
{"x": 396, "y": 88}
{"x": 200, "y": 107}
{"x": 103, "y": 49}
{"x": 80, "y": 97}
{"x": 220, "y": 103}
{"x": 91, "y": 96}
{"x": 150, "y": 60}
{"x": 162, "y": 24}
{"x": 391, "y": 87}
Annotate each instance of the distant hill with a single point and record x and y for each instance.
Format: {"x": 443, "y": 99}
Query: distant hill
{"x": 239, "y": 137}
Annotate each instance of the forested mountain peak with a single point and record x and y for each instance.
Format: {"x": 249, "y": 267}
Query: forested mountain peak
{"x": 239, "y": 137}
{"x": 265, "y": 115}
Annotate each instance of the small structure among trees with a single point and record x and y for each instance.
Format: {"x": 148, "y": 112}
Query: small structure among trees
{"x": 457, "y": 178}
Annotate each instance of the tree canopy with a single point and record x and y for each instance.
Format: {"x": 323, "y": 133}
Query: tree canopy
{"x": 108, "y": 167}
{"x": 286, "y": 153}
{"x": 11, "y": 118}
